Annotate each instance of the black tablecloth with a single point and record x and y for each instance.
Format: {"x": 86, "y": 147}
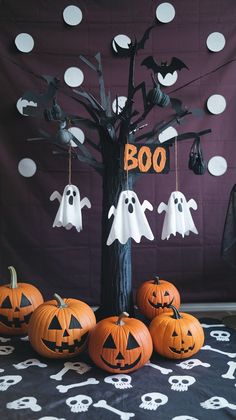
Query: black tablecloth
{"x": 202, "y": 387}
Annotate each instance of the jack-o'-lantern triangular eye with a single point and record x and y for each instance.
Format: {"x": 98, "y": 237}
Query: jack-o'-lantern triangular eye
{"x": 109, "y": 343}
{"x": 174, "y": 334}
{"x": 24, "y": 301}
{"x": 132, "y": 343}
{"x": 54, "y": 324}
{"x": 6, "y": 303}
{"x": 74, "y": 323}
{"x": 189, "y": 333}
{"x": 166, "y": 293}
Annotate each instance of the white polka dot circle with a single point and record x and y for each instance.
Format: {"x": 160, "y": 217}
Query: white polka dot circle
{"x": 215, "y": 41}
{"x": 72, "y": 15}
{"x": 122, "y": 41}
{"x": 217, "y": 166}
{"x": 78, "y": 133}
{"x": 73, "y": 77}
{"x": 165, "y": 12}
{"x": 216, "y": 104}
{"x": 24, "y": 42}
{"x": 167, "y": 134}
{"x": 118, "y": 105}
{"x": 27, "y": 167}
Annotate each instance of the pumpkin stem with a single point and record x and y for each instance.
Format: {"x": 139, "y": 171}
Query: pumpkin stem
{"x": 120, "y": 320}
{"x": 176, "y": 314}
{"x": 13, "y": 283}
{"x": 157, "y": 280}
{"x": 60, "y": 301}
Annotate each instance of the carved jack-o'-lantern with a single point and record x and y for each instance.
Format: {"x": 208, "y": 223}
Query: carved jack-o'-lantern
{"x": 176, "y": 335}
{"x": 59, "y": 328}
{"x": 156, "y": 296}
{"x": 120, "y": 346}
{"x": 17, "y": 303}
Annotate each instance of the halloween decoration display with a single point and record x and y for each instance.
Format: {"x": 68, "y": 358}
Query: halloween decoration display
{"x": 178, "y": 218}
{"x": 17, "y": 303}
{"x": 156, "y": 296}
{"x": 69, "y": 213}
{"x": 120, "y": 344}
{"x": 60, "y": 327}
{"x": 176, "y": 335}
{"x": 129, "y": 219}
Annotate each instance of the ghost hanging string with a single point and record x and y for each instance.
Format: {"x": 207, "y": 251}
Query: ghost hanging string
{"x": 70, "y": 165}
{"x": 196, "y": 162}
{"x": 176, "y": 166}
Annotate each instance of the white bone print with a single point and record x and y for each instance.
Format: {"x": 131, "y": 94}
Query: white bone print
{"x": 220, "y": 335}
{"x": 9, "y": 380}
{"x": 26, "y": 338}
{"x": 120, "y": 381}
{"x": 164, "y": 371}
{"x": 153, "y": 400}
{"x": 181, "y": 383}
{"x": 230, "y": 372}
{"x": 4, "y": 340}
{"x": 5, "y": 350}
{"x": 1, "y": 370}
{"x": 215, "y": 403}
{"x": 212, "y": 325}
{"x": 28, "y": 363}
{"x": 122, "y": 414}
{"x": 79, "y": 367}
{"x": 184, "y": 417}
{"x": 65, "y": 388}
{"x": 24, "y": 402}
{"x": 50, "y": 418}
{"x": 191, "y": 363}
{"x": 80, "y": 403}
{"x": 218, "y": 351}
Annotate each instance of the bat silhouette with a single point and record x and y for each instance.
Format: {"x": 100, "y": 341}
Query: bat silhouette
{"x": 163, "y": 68}
{"x": 134, "y": 46}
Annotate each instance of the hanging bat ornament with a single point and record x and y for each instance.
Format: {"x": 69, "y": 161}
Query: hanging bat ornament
{"x": 166, "y": 73}
{"x": 129, "y": 219}
{"x": 178, "y": 218}
{"x": 69, "y": 212}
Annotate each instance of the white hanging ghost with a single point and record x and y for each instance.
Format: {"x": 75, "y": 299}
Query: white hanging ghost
{"x": 178, "y": 218}
{"x": 129, "y": 219}
{"x": 69, "y": 212}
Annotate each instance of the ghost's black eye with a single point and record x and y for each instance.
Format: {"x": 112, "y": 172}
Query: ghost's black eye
{"x": 126, "y": 201}
{"x": 176, "y": 200}
{"x": 68, "y": 192}
{"x": 133, "y": 200}
{"x": 74, "y": 193}
{"x": 181, "y": 200}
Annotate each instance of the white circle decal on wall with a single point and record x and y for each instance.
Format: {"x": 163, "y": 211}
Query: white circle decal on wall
{"x": 216, "y": 104}
{"x": 24, "y": 42}
{"x": 22, "y": 104}
{"x": 78, "y": 133}
{"x": 27, "y": 167}
{"x": 118, "y": 105}
{"x": 217, "y": 166}
{"x": 165, "y": 12}
{"x": 73, "y": 77}
{"x": 215, "y": 41}
{"x": 167, "y": 134}
{"x": 122, "y": 41}
{"x": 169, "y": 79}
{"x": 72, "y": 15}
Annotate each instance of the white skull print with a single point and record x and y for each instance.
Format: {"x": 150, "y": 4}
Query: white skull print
{"x": 69, "y": 212}
{"x": 181, "y": 383}
{"x": 153, "y": 400}
{"x": 220, "y": 335}
{"x": 28, "y": 363}
{"x": 120, "y": 381}
{"x": 79, "y": 403}
{"x": 9, "y": 380}
{"x": 215, "y": 403}
{"x": 178, "y": 218}
{"x": 191, "y": 363}
{"x": 23, "y": 403}
{"x": 129, "y": 219}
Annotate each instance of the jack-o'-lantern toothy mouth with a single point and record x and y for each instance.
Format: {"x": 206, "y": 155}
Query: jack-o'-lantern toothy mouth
{"x": 118, "y": 365}
{"x": 15, "y": 322}
{"x": 182, "y": 350}
{"x": 161, "y": 305}
{"x": 65, "y": 346}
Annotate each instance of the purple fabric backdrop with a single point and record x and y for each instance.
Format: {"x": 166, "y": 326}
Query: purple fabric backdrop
{"x": 68, "y": 262}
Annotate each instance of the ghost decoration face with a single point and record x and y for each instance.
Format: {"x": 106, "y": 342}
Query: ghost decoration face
{"x": 69, "y": 213}
{"x": 129, "y": 219}
{"x": 178, "y": 218}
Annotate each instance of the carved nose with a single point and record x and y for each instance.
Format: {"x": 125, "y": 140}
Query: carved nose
{"x": 119, "y": 356}
{"x": 65, "y": 334}
{"x": 17, "y": 309}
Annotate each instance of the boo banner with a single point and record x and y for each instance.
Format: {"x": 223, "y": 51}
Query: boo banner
{"x": 146, "y": 158}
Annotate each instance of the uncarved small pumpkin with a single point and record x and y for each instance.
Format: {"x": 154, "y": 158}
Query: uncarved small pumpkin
{"x": 17, "y": 303}
{"x": 156, "y": 296}
{"x": 176, "y": 335}
{"x": 59, "y": 328}
{"x": 120, "y": 344}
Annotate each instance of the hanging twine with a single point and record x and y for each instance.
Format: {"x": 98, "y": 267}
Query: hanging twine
{"x": 127, "y": 172}
{"x": 70, "y": 164}
{"x": 176, "y": 165}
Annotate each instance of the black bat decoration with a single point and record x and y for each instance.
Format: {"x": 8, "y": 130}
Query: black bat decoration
{"x": 164, "y": 68}
{"x": 133, "y": 46}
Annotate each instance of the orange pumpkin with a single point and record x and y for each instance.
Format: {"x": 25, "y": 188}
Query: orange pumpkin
{"x": 17, "y": 303}
{"x": 176, "y": 335}
{"x": 155, "y": 297}
{"x": 120, "y": 345}
{"x": 59, "y": 328}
